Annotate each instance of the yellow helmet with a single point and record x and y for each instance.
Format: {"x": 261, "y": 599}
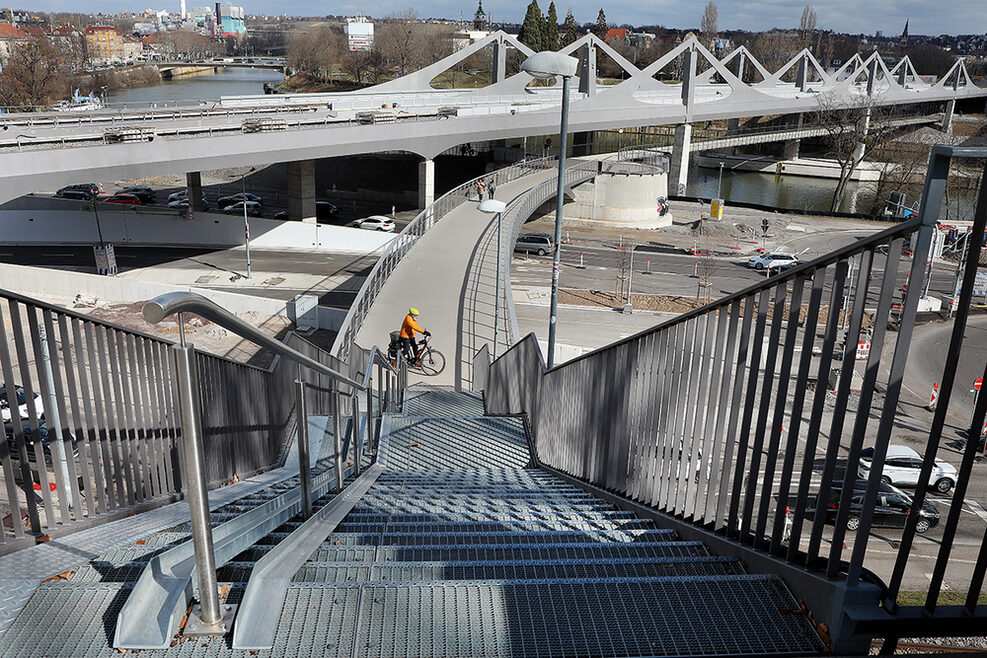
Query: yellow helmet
{"x": 413, "y": 311}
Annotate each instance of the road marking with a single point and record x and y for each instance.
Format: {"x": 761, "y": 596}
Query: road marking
{"x": 61, "y": 254}
{"x": 977, "y": 509}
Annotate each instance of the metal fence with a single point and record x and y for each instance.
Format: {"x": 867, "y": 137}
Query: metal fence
{"x": 397, "y": 248}
{"x": 90, "y": 424}
{"x": 747, "y": 418}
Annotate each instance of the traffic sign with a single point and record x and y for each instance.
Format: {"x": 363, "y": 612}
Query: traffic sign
{"x": 977, "y": 384}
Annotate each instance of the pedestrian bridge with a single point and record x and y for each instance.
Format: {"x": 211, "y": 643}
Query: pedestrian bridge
{"x": 49, "y": 150}
{"x": 680, "y": 491}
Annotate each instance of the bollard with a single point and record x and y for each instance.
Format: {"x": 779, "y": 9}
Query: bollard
{"x": 337, "y": 433}
{"x": 304, "y": 463}
{"x": 187, "y": 383}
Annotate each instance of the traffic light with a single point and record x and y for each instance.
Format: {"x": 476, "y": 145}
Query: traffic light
{"x": 764, "y": 226}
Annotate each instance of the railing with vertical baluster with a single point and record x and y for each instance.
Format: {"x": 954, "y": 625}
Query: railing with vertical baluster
{"x": 745, "y": 420}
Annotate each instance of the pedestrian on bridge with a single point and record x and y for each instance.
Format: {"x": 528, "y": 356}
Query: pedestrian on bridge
{"x": 492, "y": 186}
{"x": 481, "y": 187}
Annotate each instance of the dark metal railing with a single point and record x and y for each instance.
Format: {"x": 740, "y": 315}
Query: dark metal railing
{"x": 746, "y": 418}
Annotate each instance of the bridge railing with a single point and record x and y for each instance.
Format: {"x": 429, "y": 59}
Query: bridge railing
{"x": 747, "y": 419}
{"x": 92, "y": 433}
{"x": 395, "y": 250}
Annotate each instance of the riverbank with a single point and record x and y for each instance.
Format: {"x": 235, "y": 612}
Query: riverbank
{"x": 112, "y": 79}
{"x": 305, "y": 83}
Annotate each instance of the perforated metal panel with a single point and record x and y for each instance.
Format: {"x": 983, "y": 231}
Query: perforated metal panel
{"x": 432, "y": 402}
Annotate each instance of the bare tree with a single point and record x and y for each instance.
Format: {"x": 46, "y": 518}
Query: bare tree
{"x": 318, "y": 52}
{"x": 808, "y": 24}
{"x": 708, "y": 27}
{"x": 854, "y": 129}
{"x": 705, "y": 264}
{"x": 402, "y": 42}
{"x": 35, "y": 74}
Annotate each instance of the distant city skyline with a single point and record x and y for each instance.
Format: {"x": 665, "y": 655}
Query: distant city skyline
{"x": 886, "y": 16}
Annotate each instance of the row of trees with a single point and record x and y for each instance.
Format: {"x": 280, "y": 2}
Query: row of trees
{"x": 540, "y": 32}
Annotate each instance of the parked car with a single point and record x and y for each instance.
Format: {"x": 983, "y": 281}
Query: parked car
{"x": 180, "y": 194}
{"x": 773, "y": 261}
{"x": 253, "y": 208}
{"x": 126, "y": 199}
{"x": 30, "y": 441}
{"x": 902, "y": 466}
{"x": 535, "y": 243}
{"x": 22, "y": 407}
{"x": 78, "y": 195}
{"x": 891, "y": 509}
{"x": 236, "y": 198}
{"x": 376, "y": 223}
{"x": 92, "y": 189}
{"x": 142, "y": 192}
{"x": 183, "y": 202}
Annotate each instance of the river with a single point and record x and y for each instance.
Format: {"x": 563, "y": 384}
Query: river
{"x": 206, "y": 87}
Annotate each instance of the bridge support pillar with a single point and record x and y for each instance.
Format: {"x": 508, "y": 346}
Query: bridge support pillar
{"x": 947, "y": 116}
{"x": 426, "y": 183}
{"x": 790, "y": 150}
{"x": 741, "y": 65}
{"x": 859, "y": 151}
{"x": 802, "y": 81}
{"x": 587, "y": 70}
{"x": 499, "y": 61}
{"x": 301, "y": 190}
{"x": 193, "y": 182}
{"x": 678, "y": 175}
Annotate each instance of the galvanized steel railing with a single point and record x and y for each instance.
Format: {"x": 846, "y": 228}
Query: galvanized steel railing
{"x": 395, "y": 250}
{"x": 740, "y": 421}
{"x": 101, "y": 398}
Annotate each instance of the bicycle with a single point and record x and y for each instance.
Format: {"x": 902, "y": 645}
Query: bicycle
{"x": 429, "y": 361}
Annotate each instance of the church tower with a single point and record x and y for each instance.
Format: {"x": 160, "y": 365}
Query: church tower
{"x": 480, "y": 19}
{"x": 904, "y": 36}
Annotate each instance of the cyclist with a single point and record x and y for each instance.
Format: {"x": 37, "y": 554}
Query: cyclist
{"x": 409, "y": 328}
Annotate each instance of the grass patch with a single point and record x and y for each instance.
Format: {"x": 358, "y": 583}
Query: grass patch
{"x": 945, "y": 598}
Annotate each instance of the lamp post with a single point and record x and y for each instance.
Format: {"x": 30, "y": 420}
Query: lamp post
{"x": 543, "y": 65}
{"x": 719, "y": 182}
{"x": 246, "y": 224}
{"x": 493, "y": 206}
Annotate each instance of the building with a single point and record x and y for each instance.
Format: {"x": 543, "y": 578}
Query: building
{"x": 904, "y": 36}
{"x": 228, "y": 21}
{"x": 463, "y": 38}
{"x": 103, "y": 42}
{"x": 480, "y": 22}
{"x": 359, "y": 33}
{"x": 131, "y": 49}
{"x": 616, "y": 33}
{"x": 10, "y": 36}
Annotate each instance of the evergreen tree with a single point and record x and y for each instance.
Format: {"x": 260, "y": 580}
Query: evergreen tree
{"x": 600, "y": 29}
{"x": 551, "y": 28}
{"x": 532, "y": 32}
{"x": 570, "y": 31}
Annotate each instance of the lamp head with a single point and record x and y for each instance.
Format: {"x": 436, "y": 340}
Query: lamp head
{"x": 548, "y": 64}
{"x": 491, "y": 206}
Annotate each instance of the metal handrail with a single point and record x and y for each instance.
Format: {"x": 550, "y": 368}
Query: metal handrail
{"x": 163, "y": 306}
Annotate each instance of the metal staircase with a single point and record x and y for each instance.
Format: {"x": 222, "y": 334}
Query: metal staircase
{"x": 460, "y": 547}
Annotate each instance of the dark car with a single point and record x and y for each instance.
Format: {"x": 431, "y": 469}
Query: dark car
{"x": 92, "y": 189}
{"x": 30, "y": 442}
{"x": 891, "y": 509}
{"x": 78, "y": 195}
{"x": 323, "y": 210}
{"x": 125, "y": 199}
{"x": 236, "y": 198}
{"x": 142, "y": 192}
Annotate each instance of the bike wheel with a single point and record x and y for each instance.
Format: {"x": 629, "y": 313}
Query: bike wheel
{"x": 433, "y": 362}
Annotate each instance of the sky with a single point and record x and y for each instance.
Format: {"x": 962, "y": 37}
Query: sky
{"x": 855, "y": 16}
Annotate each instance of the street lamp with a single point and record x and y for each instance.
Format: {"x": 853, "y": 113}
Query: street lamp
{"x": 543, "y": 65}
{"x": 719, "y": 182}
{"x": 246, "y": 224}
{"x": 493, "y": 206}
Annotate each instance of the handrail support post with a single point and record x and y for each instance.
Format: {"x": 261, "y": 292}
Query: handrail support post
{"x": 337, "y": 433}
{"x": 304, "y": 461}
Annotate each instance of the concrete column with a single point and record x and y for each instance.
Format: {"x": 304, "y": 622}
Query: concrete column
{"x": 741, "y": 65}
{"x": 193, "y": 182}
{"x": 499, "y": 60}
{"x": 301, "y": 190}
{"x": 587, "y": 71}
{"x": 790, "y": 149}
{"x": 859, "y": 151}
{"x": 947, "y": 115}
{"x": 733, "y": 125}
{"x": 802, "y": 81}
{"x": 426, "y": 183}
{"x": 871, "y": 77}
{"x": 678, "y": 175}
{"x": 688, "y": 80}
{"x": 902, "y": 74}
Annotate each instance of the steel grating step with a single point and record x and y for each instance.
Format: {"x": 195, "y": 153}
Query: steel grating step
{"x": 419, "y": 572}
{"x": 740, "y": 614}
{"x": 505, "y": 515}
{"x": 496, "y": 525}
{"x": 529, "y": 551}
{"x": 497, "y": 537}
{"x": 442, "y": 403}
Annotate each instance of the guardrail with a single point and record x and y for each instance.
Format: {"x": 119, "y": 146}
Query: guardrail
{"x": 208, "y": 613}
{"x": 396, "y": 249}
{"x": 100, "y": 398}
{"x": 743, "y": 422}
